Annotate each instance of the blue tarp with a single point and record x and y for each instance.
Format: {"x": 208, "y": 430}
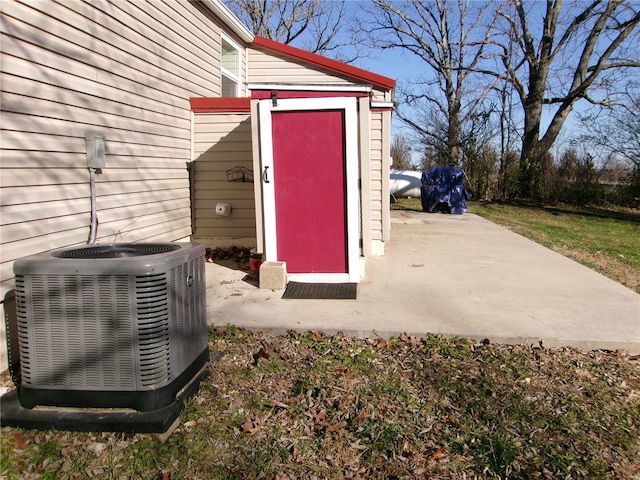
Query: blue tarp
{"x": 443, "y": 190}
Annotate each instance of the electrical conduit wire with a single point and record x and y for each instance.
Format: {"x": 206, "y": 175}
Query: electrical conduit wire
{"x": 93, "y": 232}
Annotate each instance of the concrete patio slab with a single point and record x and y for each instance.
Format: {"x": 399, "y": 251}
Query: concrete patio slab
{"x": 456, "y": 275}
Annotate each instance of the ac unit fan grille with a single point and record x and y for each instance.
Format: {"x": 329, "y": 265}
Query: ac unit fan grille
{"x": 117, "y": 250}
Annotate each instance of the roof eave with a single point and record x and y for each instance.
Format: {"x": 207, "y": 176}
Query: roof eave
{"x": 230, "y": 20}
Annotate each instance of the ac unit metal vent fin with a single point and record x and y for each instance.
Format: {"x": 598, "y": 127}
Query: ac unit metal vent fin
{"x": 153, "y": 329}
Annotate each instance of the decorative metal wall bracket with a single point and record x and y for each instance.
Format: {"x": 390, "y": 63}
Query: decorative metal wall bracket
{"x": 239, "y": 174}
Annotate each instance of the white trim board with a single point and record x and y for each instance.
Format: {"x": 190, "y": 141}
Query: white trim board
{"x": 310, "y": 88}
{"x": 349, "y": 105}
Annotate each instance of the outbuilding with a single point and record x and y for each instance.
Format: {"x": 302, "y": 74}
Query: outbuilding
{"x": 319, "y": 134}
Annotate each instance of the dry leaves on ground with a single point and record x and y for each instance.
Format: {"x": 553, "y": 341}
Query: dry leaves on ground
{"x": 309, "y": 405}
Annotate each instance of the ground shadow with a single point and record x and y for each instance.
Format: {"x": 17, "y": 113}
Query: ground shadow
{"x": 234, "y": 258}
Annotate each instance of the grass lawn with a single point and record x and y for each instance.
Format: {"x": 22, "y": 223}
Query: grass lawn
{"x": 314, "y": 406}
{"x": 605, "y": 240}
{"x": 307, "y": 405}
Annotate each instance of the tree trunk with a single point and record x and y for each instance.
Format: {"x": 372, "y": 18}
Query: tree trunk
{"x": 617, "y": 20}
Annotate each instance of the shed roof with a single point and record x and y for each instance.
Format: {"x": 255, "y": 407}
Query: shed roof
{"x": 315, "y": 60}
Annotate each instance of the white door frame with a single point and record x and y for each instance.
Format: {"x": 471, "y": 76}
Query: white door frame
{"x": 349, "y": 105}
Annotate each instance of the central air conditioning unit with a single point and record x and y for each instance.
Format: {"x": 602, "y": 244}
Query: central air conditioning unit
{"x": 111, "y": 325}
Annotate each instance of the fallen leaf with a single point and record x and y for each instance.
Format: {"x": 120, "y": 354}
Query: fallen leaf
{"x": 333, "y": 427}
{"x": 103, "y": 458}
{"x": 361, "y": 416}
{"x": 357, "y": 446}
{"x": 97, "y": 448}
{"x": 382, "y": 344}
{"x": 251, "y": 428}
{"x": 18, "y": 440}
{"x": 317, "y": 336}
{"x": 344, "y": 371}
{"x": 412, "y": 339}
{"x": 319, "y": 416}
{"x": 263, "y": 354}
{"x": 276, "y": 403}
{"x": 438, "y": 454}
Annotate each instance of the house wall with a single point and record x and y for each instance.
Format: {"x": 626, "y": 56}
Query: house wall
{"x": 223, "y": 141}
{"x": 124, "y": 70}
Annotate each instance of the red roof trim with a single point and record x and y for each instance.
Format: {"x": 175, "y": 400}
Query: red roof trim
{"x": 220, "y": 105}
{"x": 324, "y": 62}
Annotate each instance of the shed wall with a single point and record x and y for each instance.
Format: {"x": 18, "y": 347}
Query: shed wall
{"x": 222, "y": 142}
{"x": 376, "y": 176}
{"x": 271, "y": 68}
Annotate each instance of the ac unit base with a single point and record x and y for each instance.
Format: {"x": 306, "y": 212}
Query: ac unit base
{"x": 98, "y": 420}
{"x": 142, "y": 400}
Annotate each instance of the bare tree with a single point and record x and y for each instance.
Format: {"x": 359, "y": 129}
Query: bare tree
{"x": 612, "y": 136}
{"x": 450, "y": 37}
{"x": 615, "y": 131}
{"x": 576, "y": 53}
{"x": 508, "y": 128}
{"x": 317, "y": 26}
{"x": 400, "y": 153}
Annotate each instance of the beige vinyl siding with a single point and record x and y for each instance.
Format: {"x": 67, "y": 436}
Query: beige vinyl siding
{"x": 376, "y": 175}
{"x": 381, "y": 96}
{"x": 222, "y": 142}
{"x": 125, "y": 70}
{"x": 385, "y": 174}
{"x": 270, "y": 68}
{"x": 244, "y": 86}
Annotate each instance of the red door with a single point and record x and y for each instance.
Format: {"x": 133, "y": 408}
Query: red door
{"x": 309, "y": 188}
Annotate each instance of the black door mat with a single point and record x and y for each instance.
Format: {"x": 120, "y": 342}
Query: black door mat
{"x": 321, "y": 291}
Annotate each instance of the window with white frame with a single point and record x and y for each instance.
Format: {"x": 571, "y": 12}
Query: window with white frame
{"x": 230, "y": 68}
